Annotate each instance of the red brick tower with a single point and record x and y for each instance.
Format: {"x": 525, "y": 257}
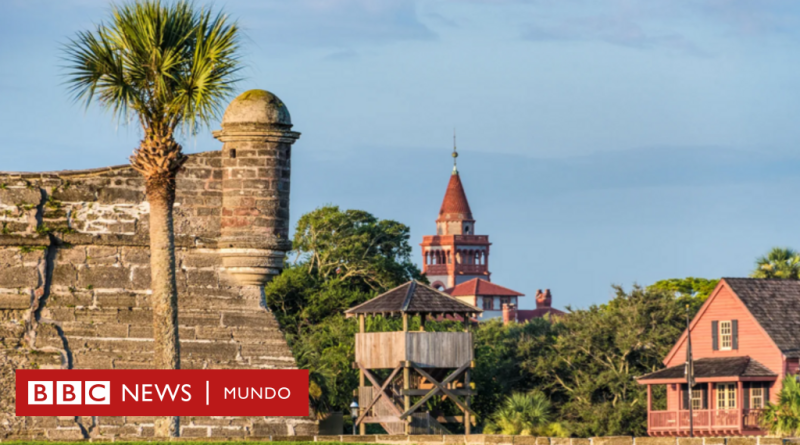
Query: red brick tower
{"x": 455, "y": 254}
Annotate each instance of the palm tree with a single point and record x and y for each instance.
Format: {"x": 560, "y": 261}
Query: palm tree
{"x": 783, "y": 419}
{"x": 778, "y": 263}
{"x": 524, "y": 414}
{"x": 171, "y": 66}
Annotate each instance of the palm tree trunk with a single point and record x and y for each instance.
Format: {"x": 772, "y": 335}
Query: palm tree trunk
{"x": 161, "y": 196}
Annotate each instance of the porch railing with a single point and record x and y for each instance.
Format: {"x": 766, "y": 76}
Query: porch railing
{"x": 751, "y": 419}
{"x": 704, "y": 419}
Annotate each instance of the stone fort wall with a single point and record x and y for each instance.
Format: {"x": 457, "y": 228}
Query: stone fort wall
{"x": 75, "y": 278}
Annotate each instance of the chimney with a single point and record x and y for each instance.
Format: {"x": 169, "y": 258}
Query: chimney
{"x": 543, "y": 299}
{"x": 509, "y": 313}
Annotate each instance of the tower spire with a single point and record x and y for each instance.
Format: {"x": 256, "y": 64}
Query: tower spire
{"x": 455, "y": 153}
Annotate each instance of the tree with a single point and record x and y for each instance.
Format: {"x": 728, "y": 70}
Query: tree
{"x": 526, "y": 415}
{"x": 590, "y": 368}
{"x": 783, "y": 418}
{"x": 353, "y": 244}
{"x": 341, "y": 259}
{"x": 780, "y": 262}
{"x": 692, "y": 291}
{"x": 171, "y": 66}
{"x": 502, "y": 354}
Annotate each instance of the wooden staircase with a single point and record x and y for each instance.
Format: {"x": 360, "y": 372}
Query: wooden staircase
{"x": 386, "y": 414}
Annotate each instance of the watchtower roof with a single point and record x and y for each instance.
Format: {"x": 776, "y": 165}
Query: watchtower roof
{"x": 413, "y": 298}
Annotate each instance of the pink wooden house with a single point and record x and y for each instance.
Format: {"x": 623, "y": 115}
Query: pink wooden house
{"x": 745, "y": 339}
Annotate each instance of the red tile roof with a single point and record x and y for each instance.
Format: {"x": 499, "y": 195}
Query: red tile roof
{"x": 455, "y": 205}
{"x": 477, "y": 286}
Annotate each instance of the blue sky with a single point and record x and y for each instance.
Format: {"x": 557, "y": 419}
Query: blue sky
{"x": 602, "y": 142}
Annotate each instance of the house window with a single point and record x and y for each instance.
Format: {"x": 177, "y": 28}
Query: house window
{"x": 697, "y": 399}
{"x": 756, "y": 398}
{"x": 725, "y": 335}
{"x": 726, "y": 396}
{"x": 505, "y": 300}
{"x": 488, "y": 303}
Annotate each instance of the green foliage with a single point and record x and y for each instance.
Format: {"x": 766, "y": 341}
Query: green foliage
{"x": 584, "y": 364}
{"x": 353, "y": 244}
{"x": 342, "y": 258}
{"x": 780, "y": 262}
{"x": 167, "y": 62}
{"x": 29, "y": 249}
{"x": 502, "y": 354}
{"x": 526, "y": 415}
{"x": 783, "y": 418}
{"x": 692, "y": 291}
{"x": 590, "y": 368}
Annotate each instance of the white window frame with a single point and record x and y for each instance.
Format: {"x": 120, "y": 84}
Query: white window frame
{"x": 726, "y": 396}
{"x": 725, "y": 335}
{"x": 757, "y": 393}
{"x": 697, "y": 399}
{"x": 490, "y": 305}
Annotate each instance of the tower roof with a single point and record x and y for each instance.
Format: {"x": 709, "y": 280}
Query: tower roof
{"x": 455, "y": 206}
{"x": 416, "y": 298}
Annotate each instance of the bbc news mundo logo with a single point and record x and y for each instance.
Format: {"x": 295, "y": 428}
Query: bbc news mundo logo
{"x": 161, "y": 392}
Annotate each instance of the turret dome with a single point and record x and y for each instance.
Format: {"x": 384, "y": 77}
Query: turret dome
{"x": 256, "y": 108}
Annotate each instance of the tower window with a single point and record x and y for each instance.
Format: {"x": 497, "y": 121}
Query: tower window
{"x": 233, "y": 153}
{"x": 466, "y": 229}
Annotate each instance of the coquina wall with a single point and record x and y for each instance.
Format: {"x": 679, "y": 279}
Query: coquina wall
{"x": 75, "y": 274}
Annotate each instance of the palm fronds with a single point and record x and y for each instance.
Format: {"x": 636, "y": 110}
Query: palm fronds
{"x": 783, "y": 418}
{"x": 169, "y": 64}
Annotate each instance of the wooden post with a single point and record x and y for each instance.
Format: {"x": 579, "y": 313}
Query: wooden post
{"x": 406, "y": 375}
{"x": 467, "y": 424}
{"x": 740, "y": 404}
{"x": 422, "y": 318}
{"x": 362, "y": 328}
{"x": 407, "y": 385}
{"x": 712, "y": 406}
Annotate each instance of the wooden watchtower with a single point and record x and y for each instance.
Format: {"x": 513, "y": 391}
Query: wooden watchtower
{"x": 423, "y": 364}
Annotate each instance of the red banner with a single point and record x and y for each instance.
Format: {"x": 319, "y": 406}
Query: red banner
{"x": 153, "y": 392}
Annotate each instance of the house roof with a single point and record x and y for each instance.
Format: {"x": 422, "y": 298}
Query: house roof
{"x": 415, "y": 298}
{"x": 480, "y": 287}
{"x": 775, "y": 304}
{"x": 714, "y": 367}
{"x": 455, "y": 206}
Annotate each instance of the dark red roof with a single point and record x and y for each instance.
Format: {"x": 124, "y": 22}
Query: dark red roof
{"x": 477, "y": 286}
{"x": 455, "y": 205}
{"x": 714, "y": 367}
{"x": 530, "y": 314}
